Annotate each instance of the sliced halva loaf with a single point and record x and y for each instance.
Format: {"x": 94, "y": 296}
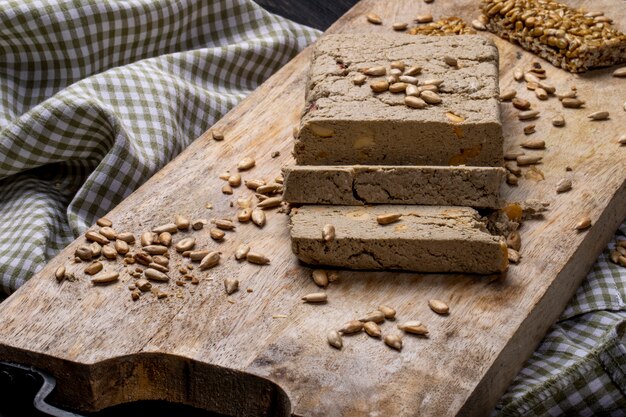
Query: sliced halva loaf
{"x": 425, "y": 239}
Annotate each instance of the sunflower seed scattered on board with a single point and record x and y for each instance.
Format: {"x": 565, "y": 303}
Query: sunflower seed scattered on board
{"x": 412, "y": 90}
{"x": 451, "y": 61}
{"x": 375, "y": 71}
{"x": 414, "y": 327}
{"x": 210, "y": 260}
{"x": 438, "y": 306}
{"x": 424, "y": 18}
{"x": 512, "y": 155}
{"x": 558, "y": 121}
{"x": 254, "y": 183}
{"x": 231, "y": 285}
{"x": 514, "y": 240}
{"x": 358, "y": 79}
{"x": 246, "y": 164}
{"x": 415, "y": 102}
{"x": 154, "y": 275}
{"x": 96, "y": 249}
{"x": 507, "y": 95}
{"x": 217, "y": 135}
{"x": 257, "y": 258}
{"x": 394, "y": 341}
{"x": 528, "y": 114}
{"x": 234, "y": 180}
{"x": 353, "y": 326}
{"x": 529, "y": 130}
{"x": 513, "y": 255}
{"x": 541, "y": 93}
{"x": 374, "y": 19}
{"x": 511, "y": 179}
{"x": 104, "y": 222}
{"x": 242, "y": 251}
{"x": 520, "y": 103}
{"x": 198, "y": 224}
{"x": 109, "y": 252}
{"x": 372, "y": 329}
{"x": 165, "y": 239}
{"x": 121, "y": 247}
{"x": 244, "y": 215}
{"x": 320, "y": 277}
{"x": 478, "y": 25}
{"x": 376, "y": 316}
{"x": 227, "y": 189}
{"x": 198, "y": 255}
{"x": 108, "y": 232}
{"x": 518, "y": 75}
{"x": 599, "y": 115}
{"x": 83, "y": 252}
{"x": 182, "y": 222}
{"x": 572, "y": 103}
{"x": 379, "y": 86}
{"x": 59, "y": 274}
{"x": 413, "y": 71}
{"x": 584, "y": 223}
{"x": 143, "y": 258}
{"x": 146, "y": 239}
{"x": 143, "y": 285}
{"x": 315, "y": 297}
{"x": 564, "y": 185}
{"x": 155, "y": 249}
{"x": 185, "y": 244}
{"x": 216, "y": 234}
{"x": 524, "y": 160}
{"x": 622, "y": 140}
{"x": 567, "y": 94}
{"x": 388, "y": 218}
{"x": 224, "y": 224}
{"x": 620, "y": 72}
{"x": 387, "y": 311}
{"x": 105, "y": 278}
{"x": 96, "y": 237}
{"x": 159, "y": 267}
{"x": 169, "y": 227}
{"x": 258, "y": 217}
{"x": 334, "y": 339}
{"x": 399, "y": 26}
{"x": 533, "y": 144}
{"x": 93, "y": 268}
{"x": 430, "y": 97}
{"x": 270, "y": 203}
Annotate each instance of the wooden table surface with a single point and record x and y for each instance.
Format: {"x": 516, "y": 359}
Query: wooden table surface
{"x": 234, "y": 356}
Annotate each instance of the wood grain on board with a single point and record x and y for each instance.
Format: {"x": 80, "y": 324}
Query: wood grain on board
{"x": 265, "y": 350}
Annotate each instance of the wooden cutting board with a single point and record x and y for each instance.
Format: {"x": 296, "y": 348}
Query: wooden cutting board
{"x": 233, "y": 354}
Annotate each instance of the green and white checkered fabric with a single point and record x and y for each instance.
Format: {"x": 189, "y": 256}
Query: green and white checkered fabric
{"x": 97, "y": 96}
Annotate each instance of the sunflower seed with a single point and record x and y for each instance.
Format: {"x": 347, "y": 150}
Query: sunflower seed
{"x": 438, "y": 306}
{"x": 415, "y": 102}
{"x": 217, "y": 134}
{"x": 387, "y": 311}
{"x": 154, "y": 275}
{"x": 244, "y": 215}
{"x": 328, "y": 233}
{"x": 198, "y": 224}
{"x": 234, "y": 180}
{"x": 584, "y": 223}
{"x": 541, "y": 93}
{"x": 528, "y": 115}
{"x": 83, "y": 252}
{"x": 374, "y": 19}
{"x": 106, "y": 278}
{"x": 271, "y": 188}
{"x": 231, "y": 285}
{"x": 399, "y": 26}
{"x": 210, "y": 260}
{"x": 548, "y": 88}
{"x": 379, "y": 86}
{"x": 108, "y": 232}
{"x": 96, "y": 237}
{"x": 620, "y": 72}
{"x": 165, "y": 239}
{"x": 376, "y": 316}
{"x": 415, "y": 327}
{"x": 514, "y": 240}
{"x": 372, "y": 329}
{"x": 146, "y": 239}
{"x": 622, "y": 140}
{"x": 558, "y": 121}
{"x": 224, "y": 176}
{"x": 511, "y": 179}
{"x": 564, "y": 185}
{"x": 518, "y": 75}
{"x": 520, "y": 103}
{"x": 572, "y": 103}
{"x": 398, "y": 87}
{"x": 358, "y": 79}
{"x": 182, "y": 222}
{"x": 159, "y": 267}
{"x": 412, "y": 90}
{"x": 185, "y": 244}
{"x": 217, "y": 234}
{"x": 104, "y": 222}
{"x": 388, "y": 218}
{"x": 599, "y": 115}
{"x": 143, "y": 258}
{"x": 258, "y": 217}
{"x": 529, "y": 130}
{"x": 534, "y": 144}
{"x": 353, "y": 326}
{"x": 408, "y": 79}
{"x": 227, "y": 189}
{"x": 143, "y": 285}
{"x": 478, "y": 25}
{"x": 375, "y": 71}
{"x": 96, "y": 249}
{"x": 59, "y": 274}
{"x": 242, "y": 251}
{"x": 121, "y": 247}
{"x": 432, "y": 81}
{"x": 155, "y": 249}
{"x": 270, "y": 203}
{"x": 246, "y": 164}
{"x": 320, "y": 277}
{"x": 198, "y": 255}
{"x": 254, "y": 183}
{"x": 424, "y": 18}
{"x": 513, "y": 255}
{"x": 257, "y": 258}
{"x": 393, "y": 341}
{"x": 109, "y": 252}
{"x": 507, "y": 95}
{"x": 412, "y": 71}
{"x": 334, "y": 339}
{"x": 169, "y": 227}
{"x": 430, "y": 97}
{"x": 315, "y": 297}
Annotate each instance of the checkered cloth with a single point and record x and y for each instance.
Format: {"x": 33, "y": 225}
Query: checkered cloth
{"x": 97, "y": 96}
